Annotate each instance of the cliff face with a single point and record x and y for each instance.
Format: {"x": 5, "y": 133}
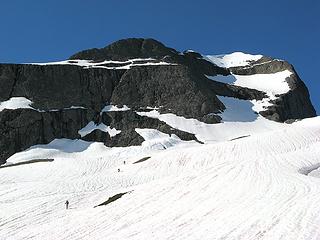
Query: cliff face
{"x": 138, "y": 73}
{"x": 58, "y": 86}
{"x": 22, "y": 128}
{"x": 295, "y": 104}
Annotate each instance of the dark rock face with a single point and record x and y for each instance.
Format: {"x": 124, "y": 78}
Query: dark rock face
{"x": 127, "y": 49}
{"x": 22, "y": 128}
{"x": 97, "y": 136}
{"x": 293, "y": 105}
{"x": 175, "y": 88}
{"x": 180, "y": 87}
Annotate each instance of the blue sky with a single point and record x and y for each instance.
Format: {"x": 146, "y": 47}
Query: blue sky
{"x": 43, "y": 30}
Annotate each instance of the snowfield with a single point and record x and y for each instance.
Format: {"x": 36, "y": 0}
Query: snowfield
{"x": 255, "y": 187}
{"x": 251, "y": 179}
{"x": 91, "y": 126}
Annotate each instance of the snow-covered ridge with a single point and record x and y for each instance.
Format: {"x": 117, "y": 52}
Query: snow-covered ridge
{"x": 235, "y": 59}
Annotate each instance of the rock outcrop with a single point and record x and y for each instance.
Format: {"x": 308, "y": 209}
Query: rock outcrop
{"x": 58, "y": 86}
{"x": 22, "y": 128}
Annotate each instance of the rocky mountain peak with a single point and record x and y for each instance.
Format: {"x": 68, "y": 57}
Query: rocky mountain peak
{"x": 106, "y": 94}
{"x": 127, "y": 49}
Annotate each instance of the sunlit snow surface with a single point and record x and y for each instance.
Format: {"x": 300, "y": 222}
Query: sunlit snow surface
{"x": 250, "y": 188}
{"x": 15, "y": 103}
{"x": 91, "y": 126}
{"x": 252, "y": 179}
{"x": 112, "y": 108}
{"x": 233, "y": 59}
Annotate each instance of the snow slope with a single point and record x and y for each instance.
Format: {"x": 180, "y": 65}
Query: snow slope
{"x": 212, "y": 133}
{"x": 252, "y": 179}
{"x": 250, "y": 188}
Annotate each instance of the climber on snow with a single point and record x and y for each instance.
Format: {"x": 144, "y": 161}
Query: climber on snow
{"x": 67, "y": 204}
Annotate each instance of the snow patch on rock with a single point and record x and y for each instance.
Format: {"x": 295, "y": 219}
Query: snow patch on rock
{"x": 233, "y": 59}
{"x": 212, "y": 133}
{"x": 91, "y": 126}
{"x": 113, "y": 108}
{"x": 16, "y": 103}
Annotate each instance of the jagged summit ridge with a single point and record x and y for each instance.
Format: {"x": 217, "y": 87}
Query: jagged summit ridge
{"x": 127, "y": 49}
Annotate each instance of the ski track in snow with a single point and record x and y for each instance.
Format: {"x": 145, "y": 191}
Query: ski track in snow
{"x": 212, "y": 133}
{"x": 250, "y": 188}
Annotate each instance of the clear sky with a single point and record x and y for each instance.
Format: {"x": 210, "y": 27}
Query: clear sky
{"x": 43, "y": 30}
